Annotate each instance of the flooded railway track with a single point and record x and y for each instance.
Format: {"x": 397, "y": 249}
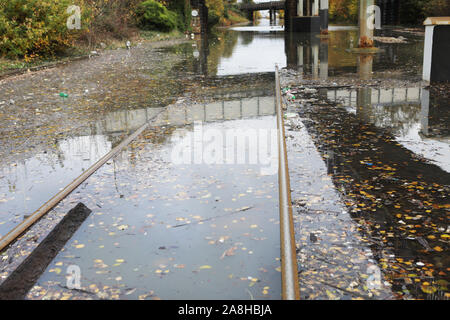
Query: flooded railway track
{"x": 289, "y": 278}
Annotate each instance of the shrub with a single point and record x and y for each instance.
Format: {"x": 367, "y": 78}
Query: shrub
{"x": 183, "y": 10}
{"x": 215, "y": 11}
{"x": 411, "y": 12}
{"x": 111, "y": 19}
{"x": 344, "y": 11}
{"x": 152, "y": 15}
{"x": 437, "y": 8}
{"x": 31, "y": 28}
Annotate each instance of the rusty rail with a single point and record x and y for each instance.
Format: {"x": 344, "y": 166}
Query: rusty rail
{"x": 289, "y": 273}
{"x": 50, "y": 204}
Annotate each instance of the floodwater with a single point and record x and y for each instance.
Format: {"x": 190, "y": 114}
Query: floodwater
{"x": 382, "y": 136}
{"x": 160, "y": 227}
{"x": 175, "y": 227}
{"x": 166, "y": 227}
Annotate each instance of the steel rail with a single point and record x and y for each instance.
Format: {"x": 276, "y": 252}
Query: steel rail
{"x": 289, "y": 273}
{"x": 50, "y": 204}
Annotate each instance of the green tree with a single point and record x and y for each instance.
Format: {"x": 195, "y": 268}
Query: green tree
{"x": 215, "y": 11}
{"x": 414, "y": 12}
{"x": 344, "y": 11}
{"x": 152, "y": 15}
{"x": 33, "y": 28}
{"x": 183, "y": 9}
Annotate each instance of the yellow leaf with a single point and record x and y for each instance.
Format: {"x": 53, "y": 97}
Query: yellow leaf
{"x": 330, "y": 295}
{"x": 56, "y": 270}
{"x": 205, "y": 267}
{"x": 428, "y": 289}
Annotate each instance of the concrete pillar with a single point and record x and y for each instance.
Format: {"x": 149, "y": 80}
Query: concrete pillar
{"x": 324, "y": 16}
{"x": 316, "y": 8}
{"x": 290, "y": 11}
{"x": 365, "y": 33}
{"x": 300, "y": 8}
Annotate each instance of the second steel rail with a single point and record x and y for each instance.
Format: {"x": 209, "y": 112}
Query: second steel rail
{"x": 289, "y": 273}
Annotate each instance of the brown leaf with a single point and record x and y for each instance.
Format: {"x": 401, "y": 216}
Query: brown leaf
{"x": 228, "y": 252}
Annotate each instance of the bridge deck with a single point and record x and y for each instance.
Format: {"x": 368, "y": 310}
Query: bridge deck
{"x": 277, "y": 5}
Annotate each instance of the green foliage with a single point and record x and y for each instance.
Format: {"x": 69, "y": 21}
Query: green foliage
{"x": 437, "y": 8}
{"x": 183, "y": 10}
{"x": 152, "y": 15}
{"x": 32, "y": 28}
{"x": 344, "y": 11}
{"x": 414, "y": 12}
{"x": 215, "y": 11}
{"x": 411, "y": 12}
{"x": 111, "y": 19}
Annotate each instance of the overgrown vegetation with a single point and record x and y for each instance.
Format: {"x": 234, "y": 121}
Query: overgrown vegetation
{"x": 412, "y": 12}
{"x": 152, "y": 15}
{"x": 344, "y": 11}
{"x": 37, "y": 29}
{"x": 33, "y": 28}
